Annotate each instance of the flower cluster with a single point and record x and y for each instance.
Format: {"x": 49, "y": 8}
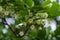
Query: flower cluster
{"x": 32, "y": 23}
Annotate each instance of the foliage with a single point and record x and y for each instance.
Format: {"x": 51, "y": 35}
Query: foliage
{"x": 30, "y": 17}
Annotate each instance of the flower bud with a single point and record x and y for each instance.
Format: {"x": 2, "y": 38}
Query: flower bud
{"x": 21, "y": 33}
{"x": 43, "y": 22}
{"x": 4, "y": 31}
{"x": 32, "y": 27}
{"x": 30, "y": 20}
{"x": 40, "y": 28}
{"x": 6, "y": 12}
{"x": 45, "y": 15}
{"x": 38, "y": 22}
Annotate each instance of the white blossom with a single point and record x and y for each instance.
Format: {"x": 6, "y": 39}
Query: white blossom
{"x": 40, "y": 28}
{"x": 10, "y": 21}
{"x": 32, "y": 27}
{"x": 59, "y": 2}
{"x": 6, "y": 26}
{"x": 58, "y": 18}
{"x": 21, "y": 33}
{"x": 52, "y": 24}
{"x": 4, "y": 31}
{"x": 20, "y": 24}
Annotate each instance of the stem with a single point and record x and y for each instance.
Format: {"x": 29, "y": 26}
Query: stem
{"x": 5, "y": 23}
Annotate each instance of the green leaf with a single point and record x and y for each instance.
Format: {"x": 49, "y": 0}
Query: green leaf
{"x": 19, "y": 2}
{"x": 36, "y": 2}
{"x": 54, "y": 10}
{"x": 44, "y": 4}
{"x": 29, "y": 3}
{"x": 41, "y": 34}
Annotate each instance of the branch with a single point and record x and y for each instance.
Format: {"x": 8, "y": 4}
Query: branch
{"x": 5, "y": 23}
{"x": 17, "y": 35}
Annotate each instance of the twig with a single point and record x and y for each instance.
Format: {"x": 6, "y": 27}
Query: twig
{"x": 5, "y": 22}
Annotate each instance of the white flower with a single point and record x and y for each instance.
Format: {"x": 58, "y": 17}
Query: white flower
{"x": 52, "y": 24}
{"x": 6, "y": 12}
{"x": 46, "y": 23}
{"x": 43, "y": 21}
{"x": 59, "y": 2}
{"x": 20, "y": 24}
{"x": 40, "y": 28}
{"x": 21, "y": 33}
{"x": 4, "y": 31}
{"x": 30, "y": 20}
{"x": 32, "y": 27}
{"x": 58, "y": 18}
{"x": 10, "y": 21}
{"x": 38, "y": 22}
{"x": 6, "y": 26}
{"x": 45, "y": 15}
